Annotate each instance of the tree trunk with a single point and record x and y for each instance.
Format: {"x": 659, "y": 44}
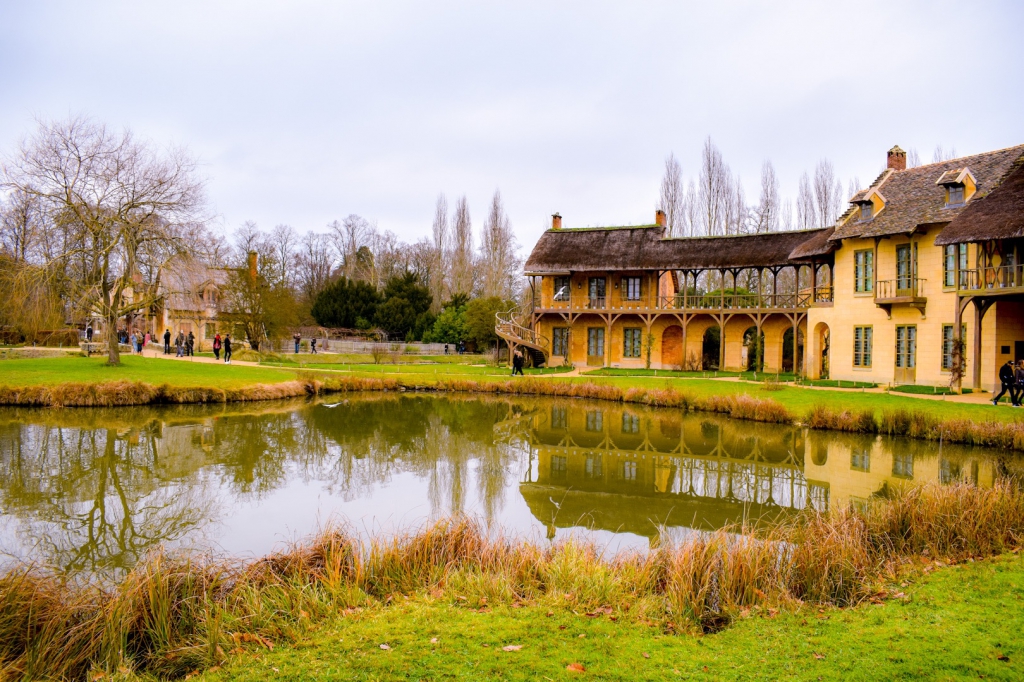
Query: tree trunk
{"x": 113, "y": 351}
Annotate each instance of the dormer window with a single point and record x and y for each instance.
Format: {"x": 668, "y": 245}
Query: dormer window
{"x": 867, "y": 211}
{"x": 956, "y": 195}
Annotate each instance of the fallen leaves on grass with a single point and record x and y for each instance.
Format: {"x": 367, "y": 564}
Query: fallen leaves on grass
{"x": 575, "y": 668}
{"x": 385, "y": 647}
{"x": 512, "y": 647}
{"x": 819, "y": 656}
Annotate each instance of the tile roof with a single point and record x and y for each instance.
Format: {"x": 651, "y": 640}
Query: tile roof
{"x": 912, "y": 197}
{"x": 998, "y": 215}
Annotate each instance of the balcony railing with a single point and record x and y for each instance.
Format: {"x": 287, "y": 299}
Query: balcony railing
{"x": 899, "y": 288}
{"x": 691, "y": 301}
{"x": 992, "y": 279}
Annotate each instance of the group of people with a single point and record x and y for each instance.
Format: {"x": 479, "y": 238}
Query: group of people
{"x": 184, "y": 346}
{"x": 1011, "y": 378}
{"x": 460, "y": 348}
{"x": 312, "y": 343}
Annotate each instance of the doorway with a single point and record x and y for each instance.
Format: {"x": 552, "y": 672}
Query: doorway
{"x": 595, "y": 346}
{"x": 906, "y": 354}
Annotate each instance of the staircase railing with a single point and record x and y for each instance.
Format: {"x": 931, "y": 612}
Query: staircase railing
{"x": 507, "y": 326}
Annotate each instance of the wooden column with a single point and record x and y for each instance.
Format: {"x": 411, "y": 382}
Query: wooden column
{"x": 958, "y": 316}
{"x": 978, "y": 315}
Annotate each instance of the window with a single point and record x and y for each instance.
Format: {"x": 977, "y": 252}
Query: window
{"x": 597, "y": 292}
{"x": 867, "y": 211}
{"x": 630, "y": 423}
{"x": 560, "y": 341}
{"x": 906, "y": 263}
{"x": 629, "y": 471}
{"x": 593, "y": 468}
{"x": 906, "y": 346}
{"x": 860, "y": 459}
{"x": 631, "y": 343}
{"x": 950, "y": 253}
{"x": 595, "y": 342}
{"x": 862, "y": 346}
{"x": 947, "y": 344}
{"x": 595, "y": 421}
{"x": 956, "y": 195}
{"x": 558, "y": 467}
{"x": 903, "y": 465}
{"x": 210, "y": 329}
{"x": 863, "y": 270}
{"x": 562, "y": 288}
{"x": 631, "y": 288}
{"x": 559, "y": 418}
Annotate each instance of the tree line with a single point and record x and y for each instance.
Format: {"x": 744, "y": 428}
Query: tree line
{"x": 96, "y": 223}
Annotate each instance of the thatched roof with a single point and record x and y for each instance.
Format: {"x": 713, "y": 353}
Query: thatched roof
{"x": 647, "y": 248}
{"x": 913, "y": 199}
{"x": 998, "y": 215}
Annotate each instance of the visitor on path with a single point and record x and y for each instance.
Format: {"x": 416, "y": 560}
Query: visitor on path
{"x": 1006, "y": 378}
{"x": 179, "y": 344}
{"x": 1018, "y": 380}
{"x": 135, "y": 345}
{"x": 88, "y": 333}
{"x": 517, "y": 363}
{"x": 446, "y": 349}
{"x": 297, "y": 337}
{"x": 167, "y": 342}
{"x": 190, "y": 345}
{"x": 312, "y": 346}
{"x": 216, "y": 347}
{"x": 227, "y": 349}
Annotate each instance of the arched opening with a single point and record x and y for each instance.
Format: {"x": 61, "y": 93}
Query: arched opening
{"x": 672, "y": 347}
{"x": 711, "y": 348}
{"x": 753, "y": 352}
{"x": 787, "y": 350}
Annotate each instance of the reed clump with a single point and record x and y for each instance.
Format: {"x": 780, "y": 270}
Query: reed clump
{"x": 175, "y": 614}
{"x": 825, "y": 418}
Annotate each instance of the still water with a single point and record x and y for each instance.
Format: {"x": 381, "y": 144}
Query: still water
{"x": 94, "y": 490}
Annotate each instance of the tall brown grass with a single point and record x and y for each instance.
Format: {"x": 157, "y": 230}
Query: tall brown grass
{"x": 174, "y": 614}
{"x": 825, "y": 418}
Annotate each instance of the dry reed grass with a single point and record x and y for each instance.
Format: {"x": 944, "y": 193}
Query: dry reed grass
{"x": 172, "y": 615}
{"x": 825, "y": 418}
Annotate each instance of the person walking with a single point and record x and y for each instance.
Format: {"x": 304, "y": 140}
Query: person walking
{"x": 297, "y": 337}
{"x": 227, "y": 349}
{"x": 1018, "y": 380}
{"x": 167, "y": 342}
{"x": 216, "y": 347}
{"x": 312, "y": 346}
{"x": 517, "y": 363}
{"x": 88, "y": 333}
{"x": 179, "y": 344}
{"x": 446, "y": 349}
{"x": 190, "y": 344}
{"x": 1006, "y": 379}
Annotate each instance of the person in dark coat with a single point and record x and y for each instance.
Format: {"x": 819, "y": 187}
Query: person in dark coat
{"x": 312, "y": 346}
{"x": 190, "y": 345}
{"x": 1018, "y": 380}
{"x": 1007, "y": 379}
{"x": 297, "y": 338}
{"x": 88, "y": 334}
{"x": 227, "y": 349}
{"x": 517, "y": 363}
{"x": 167, "y": 342}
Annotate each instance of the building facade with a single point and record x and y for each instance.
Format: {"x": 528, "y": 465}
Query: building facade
{"x": 921, "y": 254}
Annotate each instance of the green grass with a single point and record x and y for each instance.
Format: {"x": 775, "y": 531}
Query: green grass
{"x": 837, "y": 383}
{"x": 955, "y": 623}
{"x": 702, "y": 374}
{"x": 73, "y": 368}
{"x": 921, "y": 390}
{"x": 440, "y": 370}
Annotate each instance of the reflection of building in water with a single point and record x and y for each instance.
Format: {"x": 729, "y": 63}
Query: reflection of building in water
{"x": 622, "y": 470}
{"x": 853, "y": 469}
{"x": 627, "y": 470}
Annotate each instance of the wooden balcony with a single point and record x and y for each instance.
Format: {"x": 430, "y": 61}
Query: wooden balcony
{"x": 1004, "y": 280}
{"x": 902, "y": 291}
{"x": 711, "y": 302}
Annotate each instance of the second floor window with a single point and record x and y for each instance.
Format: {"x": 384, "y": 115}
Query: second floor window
{"x": 956, "y": 195}
{"x": 863, "y": 270}
{"x": 597, "y": 290}
{"x": 950, "y": 254}
{"x": 631, "y": 288}
{"x": 562, "y": 288}
{"x": 867, "y": 211}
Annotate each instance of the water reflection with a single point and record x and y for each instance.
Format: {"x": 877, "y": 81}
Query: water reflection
{"x": 95, "y": 490}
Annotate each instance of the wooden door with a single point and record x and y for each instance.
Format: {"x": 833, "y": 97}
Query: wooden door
{"x": 906, "y": 354}
{"x": 595, "y": 346}
{"x": 672, "y": 347}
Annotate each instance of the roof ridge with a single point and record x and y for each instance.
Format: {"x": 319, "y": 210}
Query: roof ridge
{"x": 968, "y": 156}
{"x": 748, "y": 234}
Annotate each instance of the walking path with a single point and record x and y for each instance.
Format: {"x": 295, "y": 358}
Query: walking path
{"x": 157, "y": 352}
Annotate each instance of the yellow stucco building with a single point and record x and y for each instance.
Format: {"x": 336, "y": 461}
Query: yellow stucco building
{"x": 879, "y": 297}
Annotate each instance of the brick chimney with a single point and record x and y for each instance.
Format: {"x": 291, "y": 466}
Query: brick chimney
{"x": 659, "y": 218}
{"x": 896, "y": 159}
{"x": 252, "y": 265}
{"x": 556, "y": 222}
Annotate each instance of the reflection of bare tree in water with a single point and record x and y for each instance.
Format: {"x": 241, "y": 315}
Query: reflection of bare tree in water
{"x": 94, "y": 500}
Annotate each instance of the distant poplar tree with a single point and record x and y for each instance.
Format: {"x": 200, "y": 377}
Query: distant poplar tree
{"x": 673, "y": 198}
{"x": 499, "y": 263}
{"x": 462, "y": 250}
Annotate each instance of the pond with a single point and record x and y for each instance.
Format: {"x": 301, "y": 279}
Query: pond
{"x": 93, "y": 490}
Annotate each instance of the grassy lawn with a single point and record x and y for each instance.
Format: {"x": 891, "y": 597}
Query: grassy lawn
{"x": 960, "y": 622}
{"x": 641, "y": 372}
{"x": 440, "y": 370}
{"x": 73, "y": 368}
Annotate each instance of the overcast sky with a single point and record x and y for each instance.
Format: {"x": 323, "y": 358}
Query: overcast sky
{"x": 304, "y": 112}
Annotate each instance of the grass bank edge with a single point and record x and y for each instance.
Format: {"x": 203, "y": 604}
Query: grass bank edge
{"x": 906, "y": 422}
{"x": 176, "y": 614}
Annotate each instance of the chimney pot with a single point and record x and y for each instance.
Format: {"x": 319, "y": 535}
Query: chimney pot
{"x": 252, "y": 264}
{"x": 556, "y": 222}
{"x": 659, "y": 218}
{"x": 896, "y": 159}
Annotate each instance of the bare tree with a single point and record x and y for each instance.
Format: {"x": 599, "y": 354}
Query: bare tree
{"x": 314, "y": 265}
{"x": 284, "y": 241}
{"x": 20, "y": 225}
{"x": 119, "y": 205}
{"x": 765, "y": 217}
{"x": 806, "y": 211}
{"x": 712, "y": 190}
{"x": 499, "y": 265}
{"x": 673, "y": 197}
{"x": 462, "y": 250}
{"x": 349, "y": 236}
{"x": 913, "y": 159}
{"x": 786, "y": 215}
{"x": 941, "y": 154}
{"x": 439, "y": 283}
{"x": 828, "y": 194}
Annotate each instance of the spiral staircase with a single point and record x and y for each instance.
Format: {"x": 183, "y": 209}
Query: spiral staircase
{"x": 508, "y": 326}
